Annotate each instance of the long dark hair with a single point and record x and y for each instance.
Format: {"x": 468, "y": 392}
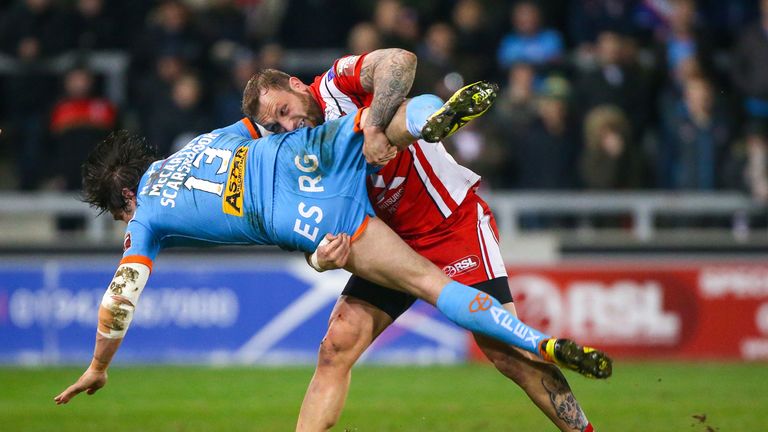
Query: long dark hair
{"x": 117, "y": 162}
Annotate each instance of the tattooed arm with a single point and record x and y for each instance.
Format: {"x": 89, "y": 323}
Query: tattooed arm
{"x": 388, "y": 74}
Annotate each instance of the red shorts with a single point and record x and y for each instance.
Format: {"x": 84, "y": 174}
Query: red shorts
{"x": 466, "y": 245}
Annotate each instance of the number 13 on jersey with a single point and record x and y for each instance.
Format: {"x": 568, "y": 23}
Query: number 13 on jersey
{"x": 232, "y": 201}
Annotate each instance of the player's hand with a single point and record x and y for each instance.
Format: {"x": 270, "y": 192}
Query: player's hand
{"x": 376, "y": 147}
{"x": 91, "y": 381}
{"x": 335, "y": 253}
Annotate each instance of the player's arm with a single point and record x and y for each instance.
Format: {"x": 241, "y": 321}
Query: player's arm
{"x": 388, "y": 74}
{"x": 115, "y": 314}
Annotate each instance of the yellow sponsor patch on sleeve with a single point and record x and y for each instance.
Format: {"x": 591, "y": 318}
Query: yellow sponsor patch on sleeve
{"x": 232, "y": 202}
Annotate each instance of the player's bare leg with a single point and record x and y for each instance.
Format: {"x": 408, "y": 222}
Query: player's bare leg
{"x": 354, "y": 324}
{"x": 544, "y": 383}
{"x": 380, "y": 256}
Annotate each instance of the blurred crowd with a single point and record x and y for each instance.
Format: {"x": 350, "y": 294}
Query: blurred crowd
{"x": 595, "y": 94}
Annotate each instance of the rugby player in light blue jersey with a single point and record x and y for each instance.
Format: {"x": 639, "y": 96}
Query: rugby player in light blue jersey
{"x": 287, "y": 190}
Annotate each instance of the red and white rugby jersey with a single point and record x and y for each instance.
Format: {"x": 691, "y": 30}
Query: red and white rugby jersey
{"x": 421, "y": 186}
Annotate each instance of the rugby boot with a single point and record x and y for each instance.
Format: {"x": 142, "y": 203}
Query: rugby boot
{"x": 468, "y": 103}
{"x": 568, "y": 354}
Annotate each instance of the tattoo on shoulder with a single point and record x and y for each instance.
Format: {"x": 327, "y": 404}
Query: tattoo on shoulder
{"x": 366, "y": 76}
{"x": 391, "y": 83}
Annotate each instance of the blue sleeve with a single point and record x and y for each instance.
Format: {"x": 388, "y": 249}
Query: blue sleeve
{"x": 140, "y": 244}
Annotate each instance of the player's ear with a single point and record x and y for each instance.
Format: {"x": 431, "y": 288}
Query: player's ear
{"x": 296, "y": 84}
{"x": 128, "y": 194}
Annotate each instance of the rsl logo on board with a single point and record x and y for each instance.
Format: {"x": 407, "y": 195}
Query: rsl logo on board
{"x": 232, "y": 202}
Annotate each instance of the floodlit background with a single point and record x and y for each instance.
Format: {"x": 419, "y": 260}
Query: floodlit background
{"x": 626, "y": 161}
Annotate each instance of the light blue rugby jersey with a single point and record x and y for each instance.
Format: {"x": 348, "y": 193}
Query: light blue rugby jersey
{"x": 225, "y": 188}
{"x": 210, "y": 192}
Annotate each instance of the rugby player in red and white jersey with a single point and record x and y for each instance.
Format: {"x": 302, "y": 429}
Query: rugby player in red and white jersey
{"x": 429, "y": 200}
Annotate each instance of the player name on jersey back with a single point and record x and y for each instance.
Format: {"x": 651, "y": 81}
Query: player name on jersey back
{"x": 166, "y": 180}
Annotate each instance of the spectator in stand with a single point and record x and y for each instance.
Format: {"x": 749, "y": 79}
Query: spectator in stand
{"x": 315, "y": 23}
{"x": 685, "y": 39}
{"x": 78, "y": 121}
{"x": 475, "y": 40}
{"x": 610, "y": 159}
{"x": 651, "y": 20}
{"x": 513, "y": 113}
{"x": 35, "y": 29}
{"x": 132, "y": 17}
{"x": 181, "y": 117}
{"x": 438, "y": 70}
{"x": 95, "y": 26}
{"x": 613, "y": 82}
{"x": 271, "y": 56}
{"x": 696, "y": 145}
{"x": 672, "y": 91}
{"x": 224, "y": 30}
{"x": 363, "y": 38}
{"x": 171, "y": 30}
{"x": 154, "y": 90}
{"x": 748, "y": 168}
{"x": 31, "y": 31}
{"x": 529, "y": 42}
{"x": 587, "y": 18}
{"x": 544, "y": 155}
{"x": 725, "y": 19}
{"x": 224, "y": 21}
{"x": 756, "y": 169}
{"x": 516, "y": 109}
{"x": 397, "y": 25}
{"x": 750, "y": 63}
{"x": 228, "y": 99}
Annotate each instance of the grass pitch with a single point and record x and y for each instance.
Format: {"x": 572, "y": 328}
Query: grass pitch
{"x": 695, "y": 397}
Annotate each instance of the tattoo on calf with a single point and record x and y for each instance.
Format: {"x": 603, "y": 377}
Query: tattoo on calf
{"x": 564, "y": 402}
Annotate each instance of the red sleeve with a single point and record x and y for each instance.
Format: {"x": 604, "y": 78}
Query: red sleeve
{"x": 347, "y": 75}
